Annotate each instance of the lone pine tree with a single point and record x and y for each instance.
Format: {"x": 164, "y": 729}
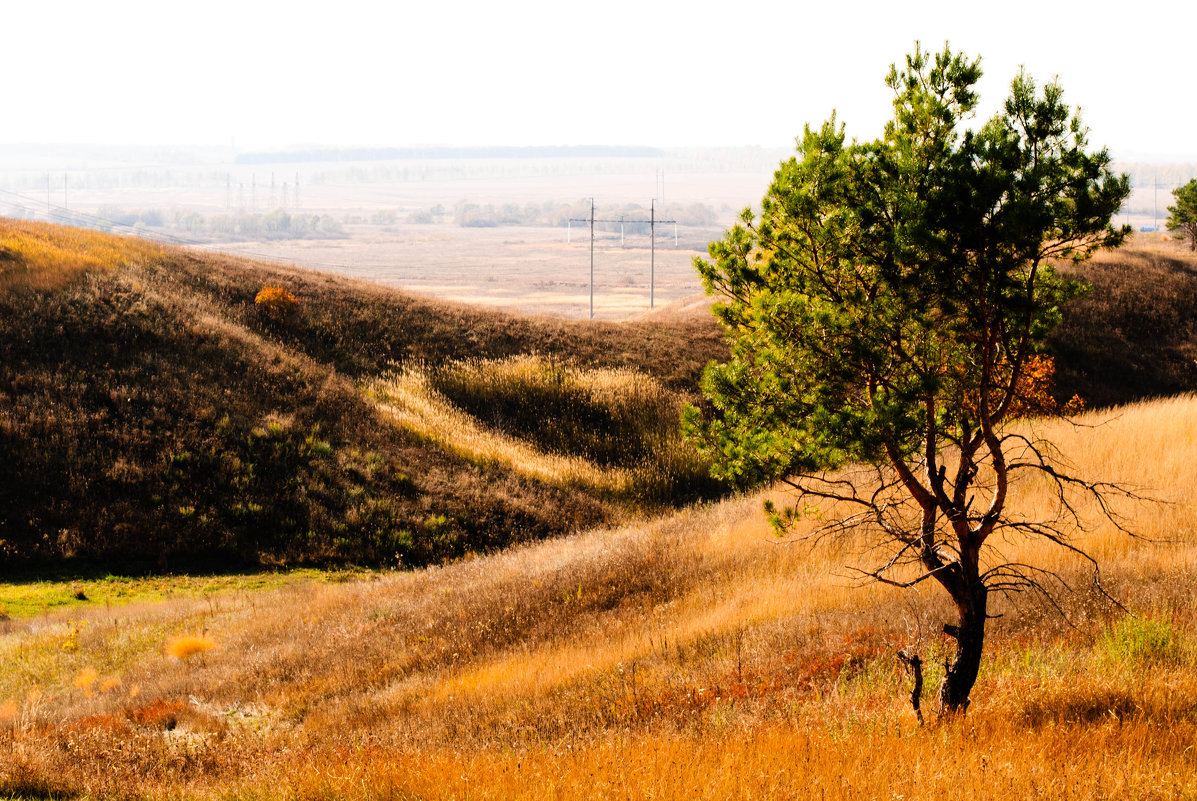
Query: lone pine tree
{"x": 886, "y": 308}
{"x": 1183, "y": 216}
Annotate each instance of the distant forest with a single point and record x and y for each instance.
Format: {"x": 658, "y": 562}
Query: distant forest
{"x": 413, "y": 153}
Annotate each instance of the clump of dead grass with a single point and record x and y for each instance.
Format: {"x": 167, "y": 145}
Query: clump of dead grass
{"x": 187, "y": 646}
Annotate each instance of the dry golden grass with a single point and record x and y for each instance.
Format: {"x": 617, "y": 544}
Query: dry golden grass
{"x": 690, "y": 656}
{"x": 611, "y": 431}
{"x": 407, "y": 398}
{"x": 46, "y": 257}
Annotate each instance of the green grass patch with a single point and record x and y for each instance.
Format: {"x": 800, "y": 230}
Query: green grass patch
{"x": 33, "y": 597}
{"x": 1135, "y": 641}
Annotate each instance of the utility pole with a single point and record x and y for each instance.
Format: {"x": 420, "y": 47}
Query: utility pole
{"x": 591, "y": 221}
{"x": 652, "y": 229}
{"x": 652, "y": 257}
{"x": 652, "y": 270}
{"x": 591, "y": 258}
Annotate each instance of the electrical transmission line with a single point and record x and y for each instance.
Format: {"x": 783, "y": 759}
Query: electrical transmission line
{"x": 652, "y": 230}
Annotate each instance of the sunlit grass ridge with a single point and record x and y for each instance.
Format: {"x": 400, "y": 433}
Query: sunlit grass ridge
{"x": 46, "y": 257}
{"x": 612, "y": 430}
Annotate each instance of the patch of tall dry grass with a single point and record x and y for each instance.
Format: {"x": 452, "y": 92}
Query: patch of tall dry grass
{"x": 692, "y": 656}
{"x": 408, "y": 398}
{"x": 612, "y": 431}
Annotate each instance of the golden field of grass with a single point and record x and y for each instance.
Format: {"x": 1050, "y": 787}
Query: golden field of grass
{"x": 687, "y": 656}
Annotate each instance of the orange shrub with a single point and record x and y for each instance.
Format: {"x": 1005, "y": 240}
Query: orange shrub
{"x": 159, "y": 714}
{"x": 276, "y": 302}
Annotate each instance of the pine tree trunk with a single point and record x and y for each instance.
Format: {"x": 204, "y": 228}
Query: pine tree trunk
{"x": 970, "y": 642}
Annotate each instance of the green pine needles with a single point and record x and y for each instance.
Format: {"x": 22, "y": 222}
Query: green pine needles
{"x": 1183, "y": 216}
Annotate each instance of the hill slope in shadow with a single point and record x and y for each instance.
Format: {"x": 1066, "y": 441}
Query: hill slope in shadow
{"x": 150, "y": 410}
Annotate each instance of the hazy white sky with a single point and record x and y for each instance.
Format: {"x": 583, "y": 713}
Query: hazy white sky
{"x": 273, "y": 74}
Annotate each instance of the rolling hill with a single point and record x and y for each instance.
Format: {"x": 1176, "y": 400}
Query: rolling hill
{"x": 151, "y": 410}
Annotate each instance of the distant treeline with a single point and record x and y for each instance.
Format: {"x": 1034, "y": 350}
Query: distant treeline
{"x": 632, "y": 218}
{"x": 275, "y": 224}
{"x": 411, "y": 153}
{"x": 1145, "y": 175}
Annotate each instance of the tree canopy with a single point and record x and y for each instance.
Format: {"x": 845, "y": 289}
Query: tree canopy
{"x": 886, "y": 308}
{"x": 1183, "y": 216}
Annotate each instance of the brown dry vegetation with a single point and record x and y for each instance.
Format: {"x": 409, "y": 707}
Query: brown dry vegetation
{"x": 150, "y": 409}
{"x": 686, "y": 657}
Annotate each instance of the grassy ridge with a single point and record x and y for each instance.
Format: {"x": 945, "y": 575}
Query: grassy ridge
{"x": 149, "y": 410}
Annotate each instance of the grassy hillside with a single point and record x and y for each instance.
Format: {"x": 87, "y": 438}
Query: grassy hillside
{"x": 1135, "y": 334}
{"x": 688, "y": 657}
{"x": 150, "y": 409}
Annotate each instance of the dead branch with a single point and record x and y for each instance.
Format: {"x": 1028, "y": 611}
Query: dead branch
{"x": 914, "y": 665}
